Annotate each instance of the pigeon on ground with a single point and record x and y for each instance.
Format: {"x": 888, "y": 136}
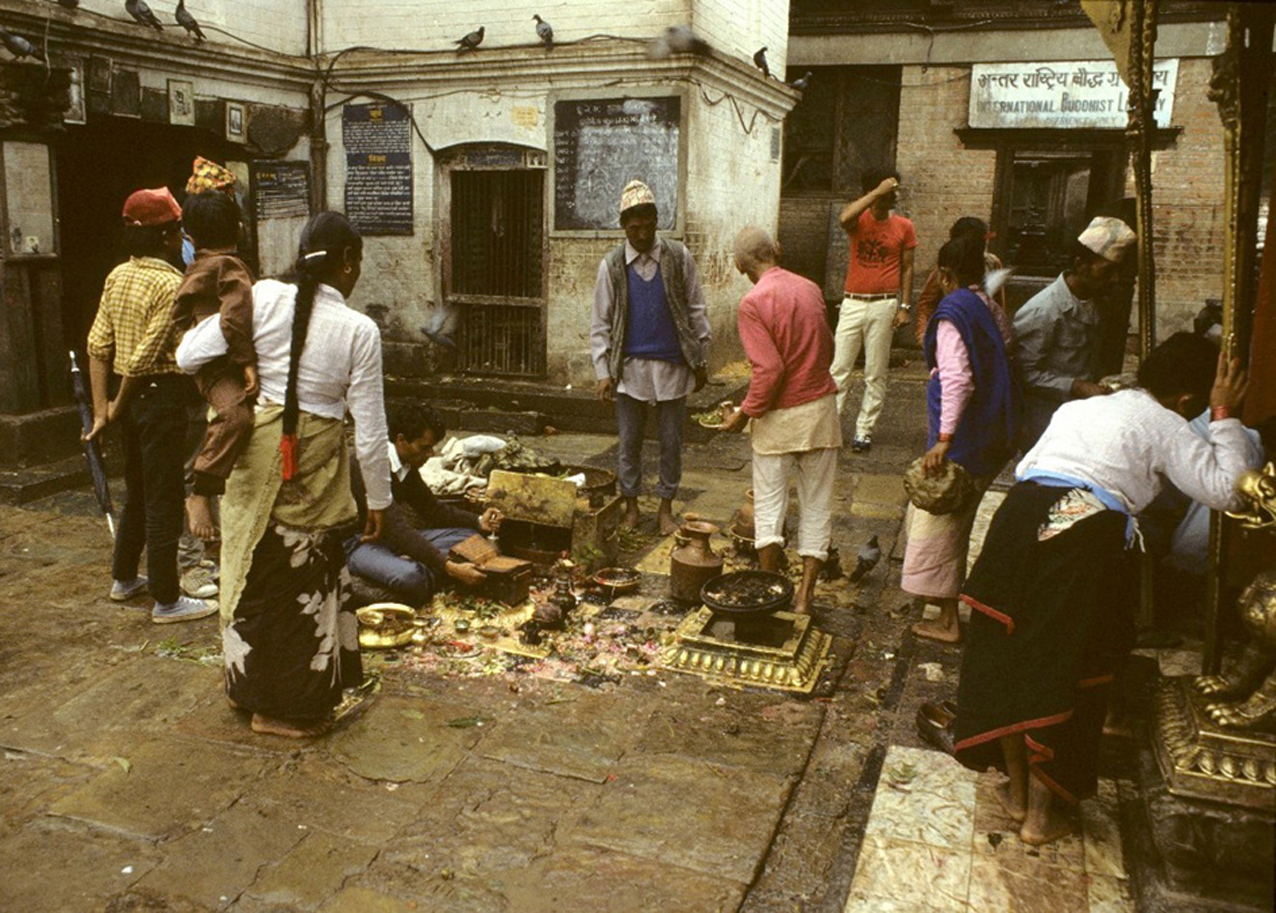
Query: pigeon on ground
{"x": 801, "y": 82}
{"x": 472, "y": 40}
{"x": 19, "y": 47}
{"x": 142, "y": 14}
{"x": 545, "y": 31}
{"x": 866, "y": 559}
{"x": 677, "y": 39}
{"x": 759, "y": 61}
{"x": 69, "y": 4}
{"x": 187, "y": 21}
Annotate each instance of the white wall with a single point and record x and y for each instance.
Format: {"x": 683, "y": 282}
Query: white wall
{"x": 279, "y": 25}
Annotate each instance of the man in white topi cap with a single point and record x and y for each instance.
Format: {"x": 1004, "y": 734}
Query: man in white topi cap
{"x": 1058, "y": 329}
{"x": 649, "y": 341}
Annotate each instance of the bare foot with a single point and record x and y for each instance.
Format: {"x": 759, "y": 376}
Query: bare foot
{"x": 932, "y": 631}
{"x": 1016, "y": 811}
{"x": 629, "y": 519}
{"x": 289, "y": 729}
{"x": 199, "y": 515}
{"x": 1054, "y": 827}
{"x": 668, "y": 525}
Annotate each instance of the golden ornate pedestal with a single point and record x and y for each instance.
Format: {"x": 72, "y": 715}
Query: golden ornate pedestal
{"x": 1201, "y": 760}
{"x": 789, "y": 653}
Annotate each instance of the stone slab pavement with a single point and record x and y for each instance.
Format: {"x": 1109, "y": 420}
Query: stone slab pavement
{"x": 128, "y": 784}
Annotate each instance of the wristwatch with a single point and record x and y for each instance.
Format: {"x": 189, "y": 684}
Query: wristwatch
{"x": 904, "y": 307}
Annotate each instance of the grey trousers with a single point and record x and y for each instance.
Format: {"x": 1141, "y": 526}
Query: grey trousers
{"x": 631, "y": 416}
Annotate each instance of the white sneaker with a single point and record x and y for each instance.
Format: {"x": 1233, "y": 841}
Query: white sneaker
{"x": 184, "y": 609}
{"x": 124, "y": 590}
{"x": 198, "y": 583}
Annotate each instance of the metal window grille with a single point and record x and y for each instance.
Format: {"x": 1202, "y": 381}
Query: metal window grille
{"x": 498, "y": 270}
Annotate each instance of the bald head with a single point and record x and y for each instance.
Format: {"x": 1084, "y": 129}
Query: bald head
{"x": 755, "y": 251}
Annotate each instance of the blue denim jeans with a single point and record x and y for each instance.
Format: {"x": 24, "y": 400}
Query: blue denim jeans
{"x": 405, "y": 576}
{"x": 631, "y": 416}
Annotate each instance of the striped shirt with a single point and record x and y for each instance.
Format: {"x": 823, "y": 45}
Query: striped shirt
{"x": 134, "y": 329}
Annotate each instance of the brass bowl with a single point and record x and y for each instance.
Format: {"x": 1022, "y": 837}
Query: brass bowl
{"x": 618, "y": 579}
{"x": 385, "y": 625}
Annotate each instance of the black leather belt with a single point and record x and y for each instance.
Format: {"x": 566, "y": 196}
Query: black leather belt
{"x": 881, "y": 297}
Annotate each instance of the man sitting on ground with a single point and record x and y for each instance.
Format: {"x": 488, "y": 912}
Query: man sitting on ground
{"x": 411, "y": 558}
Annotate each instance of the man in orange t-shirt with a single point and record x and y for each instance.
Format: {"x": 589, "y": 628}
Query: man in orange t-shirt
{"x": 879, "y": 293}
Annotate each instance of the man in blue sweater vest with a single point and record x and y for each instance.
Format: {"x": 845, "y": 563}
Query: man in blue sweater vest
{"x": 649, "y": 340}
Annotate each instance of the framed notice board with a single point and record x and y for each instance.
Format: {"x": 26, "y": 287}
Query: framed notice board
{"x": 378, "y": 143}
{"x": 601, "y": 144}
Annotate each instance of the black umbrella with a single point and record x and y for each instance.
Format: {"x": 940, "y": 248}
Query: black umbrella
{"x": 91, "y": 451}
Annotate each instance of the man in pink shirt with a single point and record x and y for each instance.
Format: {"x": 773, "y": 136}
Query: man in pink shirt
{"x": 792, "y": 403}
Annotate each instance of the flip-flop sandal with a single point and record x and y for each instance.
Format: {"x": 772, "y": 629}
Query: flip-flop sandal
{"x": 935, "y": 727}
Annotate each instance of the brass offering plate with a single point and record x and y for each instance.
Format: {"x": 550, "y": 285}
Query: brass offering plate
{"x": 788, "y": 654}
{"x": 385, "y": 625}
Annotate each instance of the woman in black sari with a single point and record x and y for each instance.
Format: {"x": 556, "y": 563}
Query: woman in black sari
{"x": 1054, "y": 586}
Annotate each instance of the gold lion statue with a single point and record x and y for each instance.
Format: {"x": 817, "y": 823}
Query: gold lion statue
{"x": 1245, "y": 697}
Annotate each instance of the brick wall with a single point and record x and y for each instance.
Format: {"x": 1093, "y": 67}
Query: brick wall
{"x": 1189, "y": 219}
{"x": 941, "y": 179}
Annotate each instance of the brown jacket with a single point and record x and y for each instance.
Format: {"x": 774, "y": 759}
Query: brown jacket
{"x": 219, "y": 283}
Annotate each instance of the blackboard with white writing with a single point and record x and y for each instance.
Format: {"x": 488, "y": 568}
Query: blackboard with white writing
{"x": 281, "y": 190}
{"x": 378, "y": 142}
{"x": 600, "y": 145}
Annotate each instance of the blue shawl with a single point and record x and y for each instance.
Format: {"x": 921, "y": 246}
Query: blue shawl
{"x": 986, "y": 431}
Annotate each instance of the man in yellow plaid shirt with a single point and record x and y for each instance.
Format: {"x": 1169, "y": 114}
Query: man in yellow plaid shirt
{"x": 134, "y": 336}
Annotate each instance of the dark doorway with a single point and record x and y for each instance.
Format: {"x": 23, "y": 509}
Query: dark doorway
{"x": 98, "y": 166}
{"x": 497, "y": 280}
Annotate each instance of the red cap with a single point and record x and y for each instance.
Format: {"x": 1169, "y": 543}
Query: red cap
{"x": 151, "y": 207}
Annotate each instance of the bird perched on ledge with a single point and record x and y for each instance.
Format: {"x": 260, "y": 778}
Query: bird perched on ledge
{"x": 801, "y": 82}
{"x": 187, "y": 21}
{"x": 472, "y": 40}
{"x": 677, "y": 39}
{"x": 545, "y": 32}
{"x": 19, "y": 47}
{"x": 759, "y": 61}
{"x": 142, "y": 14}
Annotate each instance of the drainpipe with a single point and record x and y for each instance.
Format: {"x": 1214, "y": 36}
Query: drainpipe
{"x": 318, "y": 116}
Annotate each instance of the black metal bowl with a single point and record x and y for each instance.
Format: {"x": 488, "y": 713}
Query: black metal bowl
{"x": 748, "y": 593}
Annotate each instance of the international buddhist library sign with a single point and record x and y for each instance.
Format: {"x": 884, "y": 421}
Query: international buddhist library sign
{"x": 1075, "y": 94}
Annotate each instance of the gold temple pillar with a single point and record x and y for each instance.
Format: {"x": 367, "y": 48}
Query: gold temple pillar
{"x": 1242, "y": 76}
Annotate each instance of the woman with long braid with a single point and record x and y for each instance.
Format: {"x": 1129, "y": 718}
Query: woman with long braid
{"x": 289, "y": 643}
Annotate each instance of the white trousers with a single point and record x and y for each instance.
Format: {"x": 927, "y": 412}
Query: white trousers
{"x": 867, "y": 324}
{"x": 816, "y": 470}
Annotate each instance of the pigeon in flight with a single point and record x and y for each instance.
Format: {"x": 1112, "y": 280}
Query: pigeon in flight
{"x": 545, "y": 31}
{"x": 142, "y": 14}
{"x": 801, "y": 82}
{"x": 759, "y": 61}
{"x": 438, "y": 330}
{"x": 187, "y": 21}
{"x": 19, "y": 47}
{"x": 677, "y": 39}
{"x": 472, "y": 40}
{"x": 866, "y": 559}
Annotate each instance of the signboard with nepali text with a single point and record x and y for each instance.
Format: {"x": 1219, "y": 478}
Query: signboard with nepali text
{"x": 378, "y": 142}
{"x": 1073, "y": 94}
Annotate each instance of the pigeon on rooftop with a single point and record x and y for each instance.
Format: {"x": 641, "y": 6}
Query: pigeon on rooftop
{"x": 142, "y": 14}
{"x": 677, "y": 39}
{"x": 545, "y": 31}
{"x": 801, "y": 82}
{"x": 759, "y": 61}
{"x": 866, "y": 559}
{"x": 472, "y": 40}
{"x": 19, "y": 47}
{"x": 187, "y": 21}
